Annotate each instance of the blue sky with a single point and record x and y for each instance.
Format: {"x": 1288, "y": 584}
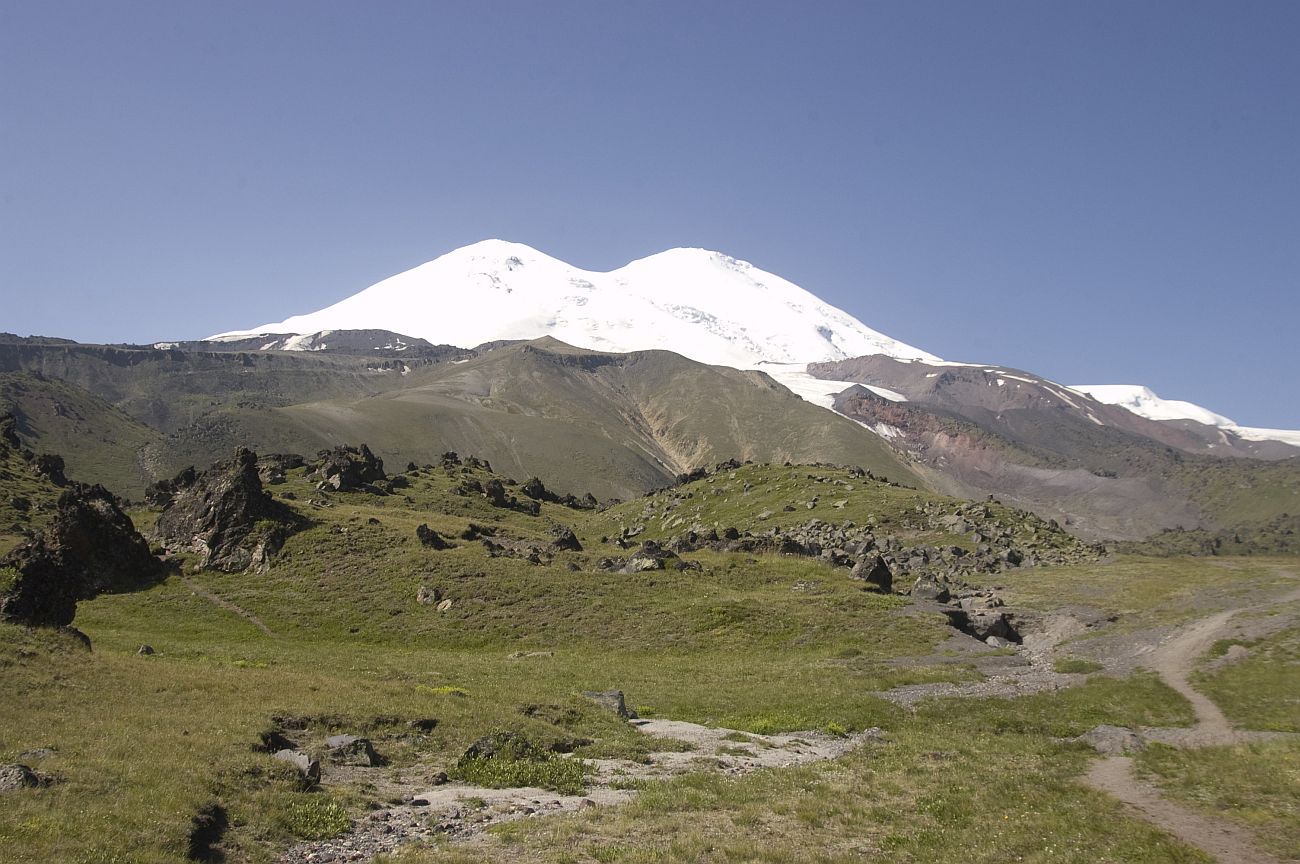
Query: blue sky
{"x": 1100, "y": 192}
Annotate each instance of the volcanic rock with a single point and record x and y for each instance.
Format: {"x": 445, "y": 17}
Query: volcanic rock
{"x": 90, "y": 547}
{"x": 225, "y": 516}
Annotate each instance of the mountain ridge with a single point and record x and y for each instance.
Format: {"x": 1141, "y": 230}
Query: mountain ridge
{"x": 702, "y": 304}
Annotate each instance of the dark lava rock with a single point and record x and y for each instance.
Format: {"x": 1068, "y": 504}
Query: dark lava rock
{"x": 89, "y": 548}
{"x": 495, "y": 491}
{"x": 565, "y": 540}
{"x": 346, "y": 469}
{"x": 874, "y": 571}
{"x": 929, "y": 588}
{"x": 225, "y": 516}
{"x": 15, "y": 777}
{"x": 50, "y": 467}
{"x": 431, "y": 539}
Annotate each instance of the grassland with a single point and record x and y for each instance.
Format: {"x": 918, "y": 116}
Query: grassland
{"x": 333, "y": 639}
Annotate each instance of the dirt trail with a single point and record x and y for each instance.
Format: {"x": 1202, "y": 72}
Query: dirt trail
{"x": 217, "y": 600}
{"x": 1222, "y": 840}
{"x": 1173, "y": 660}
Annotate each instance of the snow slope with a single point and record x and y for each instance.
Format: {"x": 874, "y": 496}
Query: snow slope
{"x": 1145, "y": 403}
{"x": 704, "y": 305}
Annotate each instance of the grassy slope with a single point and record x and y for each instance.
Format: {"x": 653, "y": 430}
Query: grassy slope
{"x": 142, "y": 742}
{"x": 614, "y": 425}
{"x": 18, "y": 484}
{"x": 1257, "y": 784}
{"x": 102, "y": 444}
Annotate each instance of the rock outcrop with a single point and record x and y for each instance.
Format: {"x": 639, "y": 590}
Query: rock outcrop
{"x": 348, "y": 469}
{"x": 89, "y": 548}
{"x": 223, "y": 515}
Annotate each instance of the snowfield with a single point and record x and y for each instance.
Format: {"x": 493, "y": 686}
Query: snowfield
{"x": 704, "y": 305}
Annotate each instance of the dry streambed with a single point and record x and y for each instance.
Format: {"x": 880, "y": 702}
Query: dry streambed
{"x": 459, "y": 810}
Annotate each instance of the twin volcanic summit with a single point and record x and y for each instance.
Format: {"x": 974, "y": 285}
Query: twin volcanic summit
{"x": 704, "y": 305}
{"x": 617, "y": 383}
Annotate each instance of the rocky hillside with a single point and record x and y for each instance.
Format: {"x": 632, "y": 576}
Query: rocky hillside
{"x": 612, "y": 424}
{"x": 1094, "y": 467}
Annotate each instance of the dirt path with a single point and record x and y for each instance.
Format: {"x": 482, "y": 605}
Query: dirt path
{"x": 460, "y": 811}
{"x": 1173, "y": 660}
{"x": 1222, "y": 840}
{"x": 227, "y": 605}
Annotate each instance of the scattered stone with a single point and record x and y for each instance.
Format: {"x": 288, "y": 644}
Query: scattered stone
{"x": 929, "y": 588}
{"x": 999, "y": 642}
{"x": 145, "y": 650}
{"x": 874, "y": 571}
{"x": 426, "y": 595}
{"x": 444, "y": 605}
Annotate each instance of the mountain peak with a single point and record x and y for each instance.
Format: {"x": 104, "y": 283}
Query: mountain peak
{"x": 702, "y": 304}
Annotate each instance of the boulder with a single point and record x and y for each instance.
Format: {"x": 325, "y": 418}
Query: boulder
{"x": 347, "y": 469}
{"x": 611, "y": 700}
{"x": 986, "y": 623}
{"x": 565, "y": 540}
{"x": 90, "y": 547}
{"x": 651, "y": 556}
{"x": 875, "y": 572}
{"x": 431, "y": 539}
{"x": 351, "y": 750}
{"x": 224, "y": 516}
{"x": 16, "y": 776}
{"x": 308, "y": 767}
{"x": 50, "y": 466}
{"x": 495, "y": 491}
{"x": 930, "y": 588}
{"x": 426, "y": 595}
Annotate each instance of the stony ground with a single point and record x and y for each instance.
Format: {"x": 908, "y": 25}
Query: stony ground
{"x": 460, "y": 811}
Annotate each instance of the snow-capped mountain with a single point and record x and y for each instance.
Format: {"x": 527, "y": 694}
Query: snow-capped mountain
{"x": 703, "y": 305}
{"x": 1143, "y": 402}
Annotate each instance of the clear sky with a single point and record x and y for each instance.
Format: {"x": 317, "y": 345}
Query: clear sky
{"x": 1099, "y": 192}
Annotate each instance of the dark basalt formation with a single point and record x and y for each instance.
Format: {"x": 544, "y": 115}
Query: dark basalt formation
{"x": 89, "y": 548}
{"x": 223, "y": 515}
{"x": 348, "y": 469}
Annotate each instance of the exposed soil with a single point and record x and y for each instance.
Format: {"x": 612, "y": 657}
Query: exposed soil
{"x": 1173, "y": 660}
{"x": 218, "y": 600}
{"x": 461, "y": 811}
